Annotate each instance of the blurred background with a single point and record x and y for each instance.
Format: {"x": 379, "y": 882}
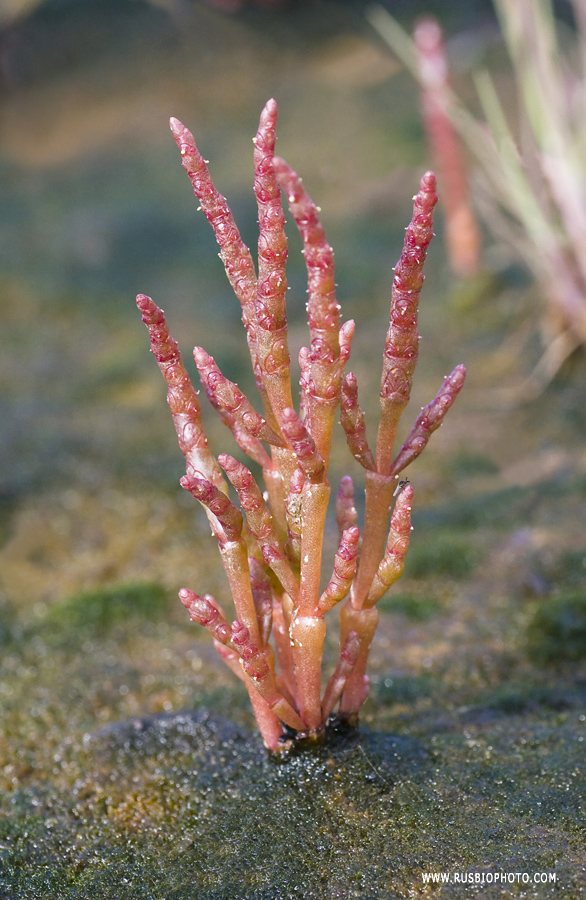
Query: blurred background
{"x": 96, "y": 208}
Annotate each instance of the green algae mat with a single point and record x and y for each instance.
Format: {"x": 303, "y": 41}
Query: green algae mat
{"x": 466, "y": 777}
{"x": 189, "y": 806}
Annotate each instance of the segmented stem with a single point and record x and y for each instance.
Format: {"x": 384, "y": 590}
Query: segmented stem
{"x": 181, "y": 395}
{"x": 306, "y": 453}
{"x": 314, "y": 507}
{"x": 399, "y": 360}
{"x": 293, "y": 508}
{"x": 262, "y": 597}
{"x": 402, "y": 341}
{"x": 224, "y": 511}
{"x": 429, "y": 419}
{"x": 348, "y": 658}
{"x": 344, "y": 571}
{"x": 260, "y": 522}
{"x": 271, "y": 548}
{"x": 378, "y": 495}
{"x": 206, "y": 612}
{"x": 346, "y": 513}
{"x": 270, "y": 308}
{"x": 229, "y": 397}
{"x": 364, "y": 623}
{"x": 393, "y": 561}
{"x": 352, "y": 421}
{"x": 233, "y": 251}
{"x": 323, "y": 375}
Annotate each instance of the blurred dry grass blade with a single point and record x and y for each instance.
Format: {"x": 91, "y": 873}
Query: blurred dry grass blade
{"x": 531, "y": 180}
{"x": 11, "y": 10}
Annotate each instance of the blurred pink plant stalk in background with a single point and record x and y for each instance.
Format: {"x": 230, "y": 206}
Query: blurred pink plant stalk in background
{"x": 462, "y": 233}
{"x": 271, "y": 543}
{"x": 530, "y": 177}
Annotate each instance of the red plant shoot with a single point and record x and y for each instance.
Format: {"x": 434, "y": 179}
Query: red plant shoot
{"x": 271, "y": 544}
{"x": 462, "y": 232}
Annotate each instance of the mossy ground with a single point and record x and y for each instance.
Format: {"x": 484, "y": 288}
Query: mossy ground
{"x": 190, "y": 806}
{"x": 116, "y": 780}
{"x": 469, "y": 759}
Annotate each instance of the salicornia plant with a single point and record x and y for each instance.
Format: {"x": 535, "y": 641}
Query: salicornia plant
{"x": 271, "y": 545}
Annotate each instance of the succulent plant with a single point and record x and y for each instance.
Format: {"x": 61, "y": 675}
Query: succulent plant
{"x": 271, "y": 542}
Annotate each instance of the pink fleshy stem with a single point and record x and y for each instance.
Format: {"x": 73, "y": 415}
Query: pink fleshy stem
{"x": 270, "y": 310}
{"x": 429, "y": 419}
{"x": 306, "y": 453}
{"x": 305, "y": 381}
{"x": 323, "y": 311}
{"x": 234, "y": 253}
{"x": 238, "y": 652}
{"x": 307, "y": 636}
{"x": 233, "y": 551}
{"x": 364, "y": 623}
{"x": 181, "y": 396}
{"x": 251, "y": 446}
{"x": 283, "y": 688}
{"x": 255, "y": 666}
{"x": 274, "y": 367}
{"x": 228, "y": 396}
{"x": 462, "y": 234}
{"x": 272, "y": 245}
{"x": 282, "y": 617}
{"x": 352, "y": 421}
{"x": 335, "y": 686}
{"x": 318, "y": 415}
{"x": 322, "y": 308}
{"x": 307, "y": 629}
{"x": 393, "y": 561}
{"x": 346, "y": 512}
{"x": 262, "y": 597}
{"x": 232, "y": 642}
{"x": 206, "y": 612}
{"x": 344, "y": 571}
{"x": 402, "y": 341}
{"x": 232, "y": 660}
{"x": 234, "y": 555}
{"x": 378, "y": 501}
{"x": 276, "y": 482}
{"x": 260, "y": 522}
{"x": 269, "y": 723}
{"x": 216, "y": 501}
{"x": 400, "y": 357}
{"x": 293, "y": 512}
{"x": 314, "y": 506}
{"x": 346, "y": 334}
